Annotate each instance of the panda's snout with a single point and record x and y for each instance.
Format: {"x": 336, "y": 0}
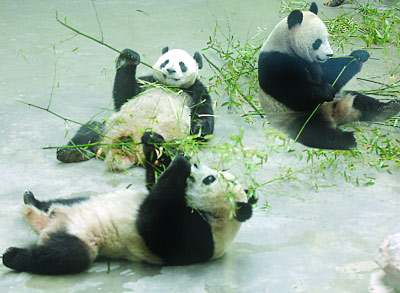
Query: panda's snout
{"x": 171, "y": 71}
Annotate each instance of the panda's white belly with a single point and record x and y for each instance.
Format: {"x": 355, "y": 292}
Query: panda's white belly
{"x": 164, "y": 111}
{"x": 107, "y": 224}
{"x": 277, "y": 114}
{"x": 160, "y": 110}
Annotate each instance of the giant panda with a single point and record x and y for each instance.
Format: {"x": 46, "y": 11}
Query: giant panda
{"x": 297, "y": 76}
{"x": 172, "y": 102}
{"x": 191, "y": 215}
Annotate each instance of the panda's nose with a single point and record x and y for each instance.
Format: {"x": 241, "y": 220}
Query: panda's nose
{"x": 170, "y": 71}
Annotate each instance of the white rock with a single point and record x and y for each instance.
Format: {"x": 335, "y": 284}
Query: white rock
{"x": 388, "y": 257}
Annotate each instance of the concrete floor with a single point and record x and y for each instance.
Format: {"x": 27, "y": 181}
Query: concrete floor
{"x": 309, "y": 239}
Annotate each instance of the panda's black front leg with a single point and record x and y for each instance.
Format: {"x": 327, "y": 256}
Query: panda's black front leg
{"x": 202, "y": 114}
{"x": 125, "y": 84}
{"x": 171, "y": 185}
{"x": 171, "y": 229}
{"x": 164, "y": 208}
{"x": 339, "y": 70}
{"x": 61, "y": 254}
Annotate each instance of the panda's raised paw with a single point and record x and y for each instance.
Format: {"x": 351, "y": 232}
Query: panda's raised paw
{"x": 130, "y": 57}
{"x": 152, "y": 137}
{"x": 182, "y": 165}
{"x": 360, "y": 55}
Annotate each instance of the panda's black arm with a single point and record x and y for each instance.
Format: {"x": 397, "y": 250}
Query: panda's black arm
{"x": 293, "y": 81}
{"x": 125, "y": 84}
{"x": 202, "y": 114}
{"x": 351, "y": 64}
{"x": 172, "y": 230}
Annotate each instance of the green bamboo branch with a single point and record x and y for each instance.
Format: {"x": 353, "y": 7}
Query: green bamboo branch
{"x": 240, "y": 92}
{"x": 62, "y": 117}
{"x": 96, "y": 40}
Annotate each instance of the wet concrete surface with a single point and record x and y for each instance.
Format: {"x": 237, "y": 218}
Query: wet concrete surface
{"x": 308, "y": 240}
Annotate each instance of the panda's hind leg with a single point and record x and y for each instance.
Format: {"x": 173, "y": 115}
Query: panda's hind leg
{"x": 321, "y": 133}
{"x": 88, "y": 134}
{"x": 371, "y": 109}
{"x": 35, "y": 218}
{"x": 29, "y": 199}
{"x": 61, "y": 254}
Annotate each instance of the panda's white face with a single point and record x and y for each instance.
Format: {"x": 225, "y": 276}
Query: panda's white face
{"x": 214, "y": 191}
{"x": 309, "y": 40}
{"x": 178, "y": 69}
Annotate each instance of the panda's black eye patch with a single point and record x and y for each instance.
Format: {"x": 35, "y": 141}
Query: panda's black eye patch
{"x": 209, "y": 179}
{"x": 164, "y": 63}
{"x": 317, "y": 44}
{"x": 183, "y": 66}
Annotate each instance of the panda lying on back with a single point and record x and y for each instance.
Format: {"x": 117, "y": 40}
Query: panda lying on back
{"x": 144, "y": 105}
{"x": 297, "y": 75}
{"x": 184, "y": 219}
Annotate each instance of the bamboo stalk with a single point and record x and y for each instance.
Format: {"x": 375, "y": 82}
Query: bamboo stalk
{"x": 96, "y": 40}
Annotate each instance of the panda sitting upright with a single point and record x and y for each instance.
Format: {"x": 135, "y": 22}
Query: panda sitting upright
{"x": 297, "y": 76}
{"x": 191, "y": 215}
{"x": 172, "y": 102}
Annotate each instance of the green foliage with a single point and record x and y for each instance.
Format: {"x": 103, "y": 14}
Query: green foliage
{"x": 237, "y": 76}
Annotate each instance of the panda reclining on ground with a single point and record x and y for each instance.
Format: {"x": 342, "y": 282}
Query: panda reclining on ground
{"x": 173, "y": 112}
{"x": 296, "y": 76}
{"x": 184, "y": 219}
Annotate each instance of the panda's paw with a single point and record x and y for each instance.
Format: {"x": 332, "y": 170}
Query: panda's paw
{"x": 360, "y": 55}
{"x": 152, "y": 137}
{"x": 12, "y": 258}
{"x": 72, "y": 155}
{"x": 29, "y": 198}
{"x": 388, "y": 110}
{"x": 130, "y": 57}
{"x": 348, "y": 141}
{"x": 181, "y": 165}
{"x": 329, "y": 92}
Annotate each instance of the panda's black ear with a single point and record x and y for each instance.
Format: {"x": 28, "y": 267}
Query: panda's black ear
{"x": 198, "y": 59}
{"x": 314, "y": 8}
{"x": 295, "y": 17}
{"x": 165, "y": 50}
{"x": 244, "y": 211}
